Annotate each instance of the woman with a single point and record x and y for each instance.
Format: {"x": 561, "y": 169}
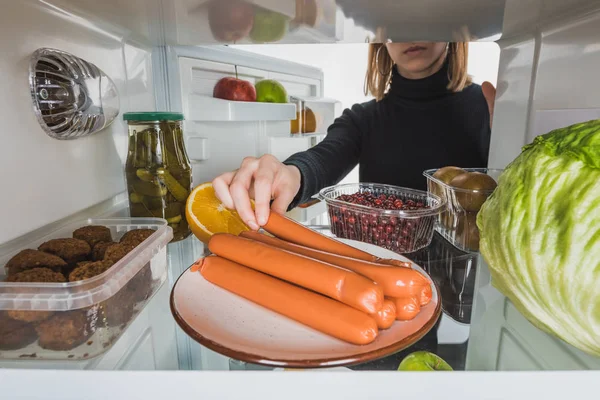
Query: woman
{"x": 426, "y": 114}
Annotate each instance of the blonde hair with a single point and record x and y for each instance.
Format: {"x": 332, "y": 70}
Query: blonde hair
{"x": 380, "y": 66}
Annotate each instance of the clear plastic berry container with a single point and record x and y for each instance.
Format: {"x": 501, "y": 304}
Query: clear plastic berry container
{"x": 59, "y": 319}
{"x": 458, "y": 220}
{"x": 399, "y": 230}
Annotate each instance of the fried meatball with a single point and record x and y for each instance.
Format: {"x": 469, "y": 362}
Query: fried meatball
{"x": 64, "y": 331}
{"x": 136, "y": 236}
{"x": 118, "y": 309}
{"x": 141, "y": 284}
{"x": 99, "y": 250}
{"x": 82, "y": 263}
{"x": 117, "y": 251}
{"x": 37, "y": 275}
{"x": 69, "y": 249}
{"x": 89, "y": 270}
{"x": 14, "y": 334}
{"x": 44, "y": 275}
{"x": 93, "y": 234}
{"x": 28, "y": 259}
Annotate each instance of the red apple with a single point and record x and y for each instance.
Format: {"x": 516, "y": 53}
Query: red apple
{"x": 234, "y": 89}
{"x": 230, "y": 20}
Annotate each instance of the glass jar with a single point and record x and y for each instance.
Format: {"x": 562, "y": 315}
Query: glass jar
{"x": 158, "y": 170}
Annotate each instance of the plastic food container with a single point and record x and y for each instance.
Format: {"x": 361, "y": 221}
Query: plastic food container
{"x": 402, "y": 231}
{"x": 457, "y": 223}
{"x": 83, "y": 319}
{"x": 454, "y": 272}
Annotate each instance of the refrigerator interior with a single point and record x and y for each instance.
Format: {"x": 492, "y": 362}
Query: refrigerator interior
{"x": 162, "y": 55}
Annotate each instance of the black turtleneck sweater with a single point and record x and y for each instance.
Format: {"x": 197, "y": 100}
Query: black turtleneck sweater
{"x": 418, "y": 125}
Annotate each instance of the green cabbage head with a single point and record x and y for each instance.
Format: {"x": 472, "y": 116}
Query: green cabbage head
{"x": 540, "y": 234}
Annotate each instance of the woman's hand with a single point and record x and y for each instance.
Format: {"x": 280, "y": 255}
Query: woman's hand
{"x": 489, "y": 92}
{"x": 264, "y": 179}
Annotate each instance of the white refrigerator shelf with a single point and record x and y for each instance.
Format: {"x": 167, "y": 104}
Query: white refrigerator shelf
{"x": 206, "y": 108}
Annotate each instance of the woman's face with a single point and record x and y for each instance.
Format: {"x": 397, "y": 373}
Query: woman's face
{"x": 416, "y": 60}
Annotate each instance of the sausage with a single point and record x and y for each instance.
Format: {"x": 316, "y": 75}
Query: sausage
{"x": 394, "y": 281}
{"x": 386, "y": 316}
{"x": 330, "y": 280}
{"x": 292, "y": 231}
{"x": 311, "y": 309}
{"x": 407, "y": 308}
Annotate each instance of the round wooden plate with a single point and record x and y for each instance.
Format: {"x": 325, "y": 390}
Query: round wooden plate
{"x": 244, "y": 331}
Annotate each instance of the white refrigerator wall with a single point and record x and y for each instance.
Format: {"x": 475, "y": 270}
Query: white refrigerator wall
{"x": 46, "y": 179}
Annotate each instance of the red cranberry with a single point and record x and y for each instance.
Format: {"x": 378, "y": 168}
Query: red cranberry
{"x": 389, "y": 229}
{"x": 351, "y": 220}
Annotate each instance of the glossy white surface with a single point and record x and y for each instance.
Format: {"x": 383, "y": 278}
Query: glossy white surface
{"x": 208, "y": 108}
{"x": 292, "y": 385}
{"x": 511, "y": 113}
{"x": 242, "y": 326}
{"x": 568, "y": 66}
{"x": 47, "y": 179}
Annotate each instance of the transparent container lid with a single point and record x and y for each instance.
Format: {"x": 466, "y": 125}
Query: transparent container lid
{"x": 76, "y": 295}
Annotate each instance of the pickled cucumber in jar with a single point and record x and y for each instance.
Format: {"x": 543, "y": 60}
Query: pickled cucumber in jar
{"x": 158, "y": 170}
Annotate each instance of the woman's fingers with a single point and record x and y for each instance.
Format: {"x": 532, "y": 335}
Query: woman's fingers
{"x": 489, "y": 92}
{"x": 263, "y": 179}
{"x": 221, "y": 186}
{"x": 239, "y": 189}
{"x": 263, "y": 188}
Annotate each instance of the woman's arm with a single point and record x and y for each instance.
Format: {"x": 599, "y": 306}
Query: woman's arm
{"x": 274, "y": 185}
{"x": 330, "y": 161}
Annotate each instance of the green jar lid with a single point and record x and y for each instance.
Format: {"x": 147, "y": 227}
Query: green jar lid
{"x": 153, "y": 116}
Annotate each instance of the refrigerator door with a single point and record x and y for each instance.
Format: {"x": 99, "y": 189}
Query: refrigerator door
{"x": 221, "y": 133}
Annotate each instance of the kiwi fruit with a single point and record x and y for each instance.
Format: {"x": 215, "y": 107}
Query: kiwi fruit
{"x": 467, "y": 232}
{"x": 482, "y": 183}
{"x": 445, "y": 174}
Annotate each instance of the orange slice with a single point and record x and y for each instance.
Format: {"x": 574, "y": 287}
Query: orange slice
{"x": 206, "y": 215}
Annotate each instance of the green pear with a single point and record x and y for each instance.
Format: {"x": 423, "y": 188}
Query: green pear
{"x": 423, "y": 361}
{"x": 269, "y": 26}
{"x": 270, "y": 91}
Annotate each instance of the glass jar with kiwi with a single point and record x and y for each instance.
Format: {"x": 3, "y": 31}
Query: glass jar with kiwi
{"x": 158, "y": 170}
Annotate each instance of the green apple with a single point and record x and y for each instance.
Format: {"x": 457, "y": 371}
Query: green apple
{"x": 423, "y": 361}
{"x": 270, "y": 91}
{"x": 269, "y": 26}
